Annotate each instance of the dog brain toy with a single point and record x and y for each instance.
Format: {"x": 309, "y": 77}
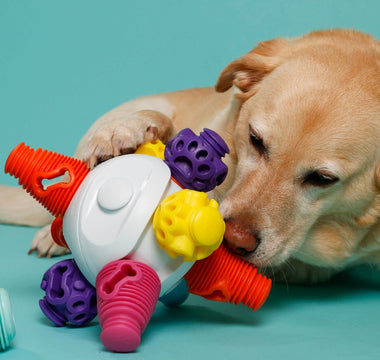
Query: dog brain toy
{"x": 7, "y": 323}
{"x": 136, "y": 226}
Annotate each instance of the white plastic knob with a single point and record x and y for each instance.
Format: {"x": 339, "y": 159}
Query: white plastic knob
{"x": 114, "y": 194}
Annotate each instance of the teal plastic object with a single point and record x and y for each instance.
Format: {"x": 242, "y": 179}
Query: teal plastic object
{"x": 7, "y": 323}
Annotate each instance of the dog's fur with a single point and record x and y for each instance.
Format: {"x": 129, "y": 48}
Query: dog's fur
{"x": 302, "y": 120}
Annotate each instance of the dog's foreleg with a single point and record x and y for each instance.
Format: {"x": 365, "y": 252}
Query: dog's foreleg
{"x": 19, "y": 208}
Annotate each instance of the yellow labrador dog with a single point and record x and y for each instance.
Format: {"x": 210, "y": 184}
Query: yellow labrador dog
{"x": 302, "y": 120}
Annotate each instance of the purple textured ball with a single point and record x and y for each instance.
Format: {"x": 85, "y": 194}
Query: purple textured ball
{"x": 195, "y": 161}
{"x": 69, "y": 296}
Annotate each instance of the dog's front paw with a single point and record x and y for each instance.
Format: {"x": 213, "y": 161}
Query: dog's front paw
{"x": 44, "y": 244}
{"x": 113, "y": 139}
{"x": 123, "y": 136}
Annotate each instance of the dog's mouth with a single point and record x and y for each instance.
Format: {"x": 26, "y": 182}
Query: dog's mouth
{"x": 267, "y": 253}
{"x": 261, "y": 258}
{"x": 256, "y": 248}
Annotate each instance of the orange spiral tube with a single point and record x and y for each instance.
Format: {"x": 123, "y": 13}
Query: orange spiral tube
{"x": 31, "y": 167}
{"x": 225, "y": 277}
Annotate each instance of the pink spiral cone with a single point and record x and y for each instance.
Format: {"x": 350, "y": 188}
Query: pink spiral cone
{"x": 127, "y": 293}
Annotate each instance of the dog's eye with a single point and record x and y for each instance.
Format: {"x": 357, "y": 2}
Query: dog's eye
{"x": 320, "y": 178}
{"x": 257, "y": 141}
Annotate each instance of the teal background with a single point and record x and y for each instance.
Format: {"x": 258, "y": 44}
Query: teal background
{"x": 65, "y": 63}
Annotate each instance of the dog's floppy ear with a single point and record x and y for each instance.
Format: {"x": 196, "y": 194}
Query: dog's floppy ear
{"x": 247, "y": 71}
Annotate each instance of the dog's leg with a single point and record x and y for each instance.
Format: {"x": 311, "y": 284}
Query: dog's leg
{"x": 19, "y": 208}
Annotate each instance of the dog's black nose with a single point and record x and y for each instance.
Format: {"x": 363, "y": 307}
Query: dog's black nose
{"x": 241, "y": 240}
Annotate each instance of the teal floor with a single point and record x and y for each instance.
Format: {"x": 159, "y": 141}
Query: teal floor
{"x": 337, "y": 320}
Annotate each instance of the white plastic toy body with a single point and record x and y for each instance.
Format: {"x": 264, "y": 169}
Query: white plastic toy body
{"x": 110, "y": 217}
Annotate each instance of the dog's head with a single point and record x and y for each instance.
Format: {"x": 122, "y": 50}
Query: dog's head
{"x": 307, "y": 147}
